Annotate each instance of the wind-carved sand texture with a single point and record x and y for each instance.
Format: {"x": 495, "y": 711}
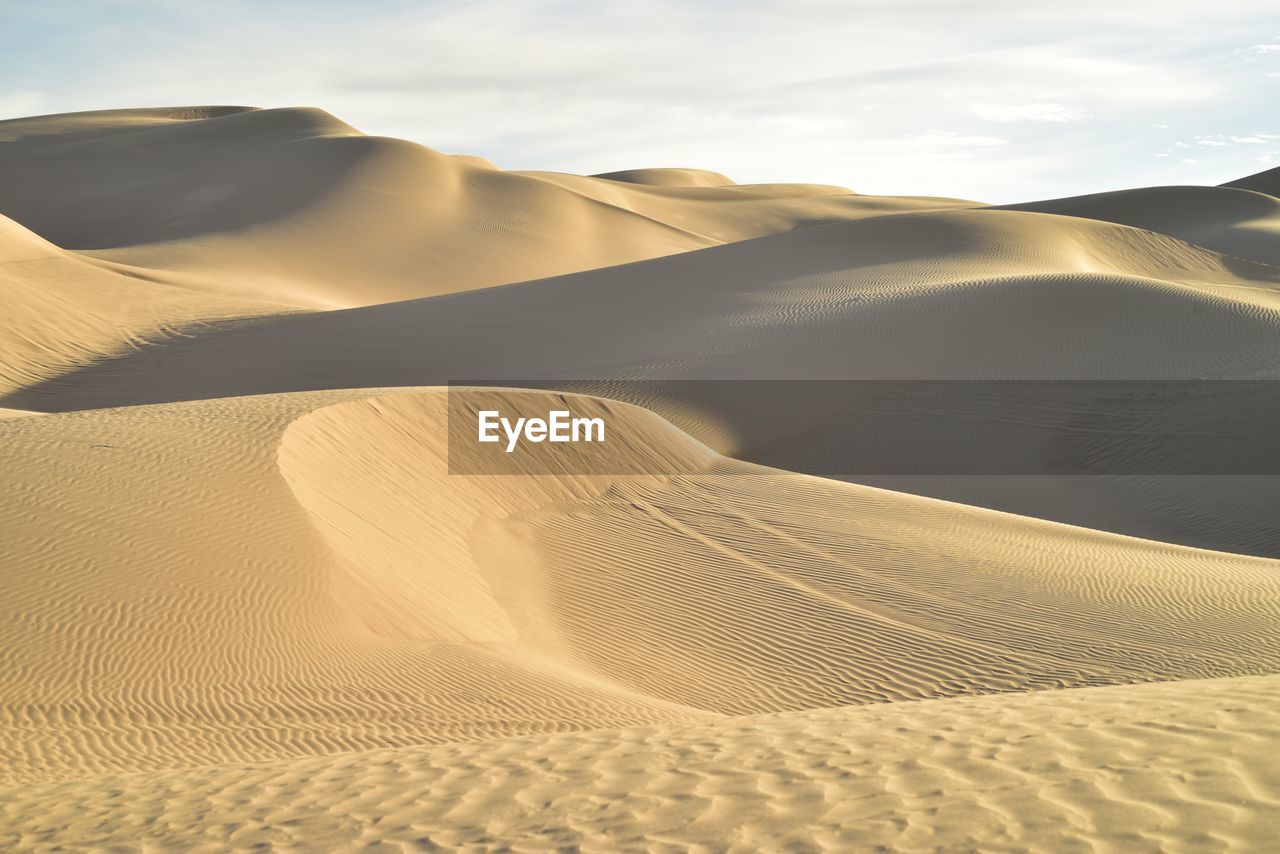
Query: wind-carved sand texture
{"x": 248, "y": 599}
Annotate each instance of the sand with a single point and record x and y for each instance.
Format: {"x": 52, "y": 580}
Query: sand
{"x": 1174, "y": 767}
{"x": 245, "y": 601}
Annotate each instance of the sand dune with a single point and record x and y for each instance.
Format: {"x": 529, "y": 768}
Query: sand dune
{"x": 1236, "y": 220}
{"x": 63, "y": 310}
{"x": 311, "y": 211}
{"x": 1048, "y": 297}
{"x": 669, "y": 177}
{"x": 1267, "y": 181}
{"x": 365, "y": 588}
{"x": 898, "y": 296}
{"x": 251, "y": 595}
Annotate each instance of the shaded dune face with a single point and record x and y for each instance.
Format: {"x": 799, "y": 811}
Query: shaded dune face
{"x": 1047, "y": 297}
{"x": 1238, "y": 221}
{"x": 63, "y": 310}
{"x": 251, "y": 593}
{"x": 669, "y": 177}
{"x": 1267, "y": 181}
{"x": 161, "y": 176}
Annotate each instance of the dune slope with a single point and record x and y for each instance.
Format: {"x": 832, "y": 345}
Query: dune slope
{"x": 1267, "y": 181}
{"x": 368, "y": 598}
{"x": 893, "y": 297}
{"x": 928, "y": 295}
{"x": 1238, "y": 220}
{"x": 63, "y": 311}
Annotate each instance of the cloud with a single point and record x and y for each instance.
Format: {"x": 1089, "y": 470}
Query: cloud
{"x": 946, "y": 139}
{"x": 1029, "y": 113}
{"x": 1036, "y": 99}
{"x": 1221, "y": 140}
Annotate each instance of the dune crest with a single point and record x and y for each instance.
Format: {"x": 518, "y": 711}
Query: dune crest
{"x": 669, "y": 177}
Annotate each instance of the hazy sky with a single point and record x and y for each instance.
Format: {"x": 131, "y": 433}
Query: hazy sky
{"x": 997, "y": 100}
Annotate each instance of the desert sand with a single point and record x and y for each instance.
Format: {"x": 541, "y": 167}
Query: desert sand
{"x": 248, "y": 599}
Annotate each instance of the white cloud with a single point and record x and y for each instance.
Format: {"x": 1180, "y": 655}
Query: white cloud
{"x": 947, "y": 139}
{"x": 1029, "y": 113}
{"x": 1221, "y": 140}
{"x": 841, "y": 91}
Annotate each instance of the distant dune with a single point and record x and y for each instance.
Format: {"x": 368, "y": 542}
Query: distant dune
{"x": 1267, "y": 181}
{"x": 670, "y": 177}
{"x": 304, "y": 208}
{"x": 250, "y": 599}
{"x": 1235, "y": 222}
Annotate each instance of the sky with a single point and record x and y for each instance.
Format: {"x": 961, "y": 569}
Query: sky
{"x": 992, "y": 100}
